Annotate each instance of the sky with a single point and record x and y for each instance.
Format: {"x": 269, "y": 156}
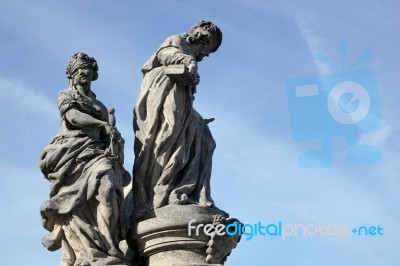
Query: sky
{"x": 257, "y": 176}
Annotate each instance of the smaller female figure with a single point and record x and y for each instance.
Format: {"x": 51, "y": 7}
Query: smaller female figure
{"x": 85, "y": 213}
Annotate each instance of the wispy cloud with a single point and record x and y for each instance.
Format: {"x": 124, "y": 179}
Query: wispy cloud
{"x": 378, "y": 138}
{"x": 29, "y": 120}
{"x": 311, "y": 39}
{"x": 16, "y": 96}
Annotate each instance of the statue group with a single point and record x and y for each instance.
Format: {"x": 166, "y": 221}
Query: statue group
{"x": 86, "y": 212}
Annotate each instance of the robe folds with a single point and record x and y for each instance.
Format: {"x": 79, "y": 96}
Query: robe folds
{"x": 173, "y": 145}
{"x": 84, "y": 213}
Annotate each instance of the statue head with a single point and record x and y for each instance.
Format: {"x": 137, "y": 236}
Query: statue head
{"x": 81, "y": 61}
{"x": 207, "y": 35}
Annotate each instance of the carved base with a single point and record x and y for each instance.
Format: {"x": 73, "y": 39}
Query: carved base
{"x": 164, "y": 240}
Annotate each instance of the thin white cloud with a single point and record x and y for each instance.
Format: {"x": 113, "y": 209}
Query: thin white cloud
{"x": 313, "y": 41}
{"x": 15, "y": 95}
{"x": 378, "y": 138}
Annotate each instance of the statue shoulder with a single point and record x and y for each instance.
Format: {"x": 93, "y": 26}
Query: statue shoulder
{"x": 178, "y": 41}
{"x": 65, "y": 95}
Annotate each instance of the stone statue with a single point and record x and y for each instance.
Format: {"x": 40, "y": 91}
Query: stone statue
{"x": 173, "y": 145}
{"x": 173, "y": 159}
{"x": 84, "y": 164}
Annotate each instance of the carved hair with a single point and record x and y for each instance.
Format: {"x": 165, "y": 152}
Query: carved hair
{"x": 216, "y": 34}
{"x": 81, "y": 60}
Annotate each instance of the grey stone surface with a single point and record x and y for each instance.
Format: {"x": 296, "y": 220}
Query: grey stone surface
{"x": 173, "y": 160}
{"x": 173, "y": 145}
{"x": 164, "y": 239}
{"x": 84, "y": 164}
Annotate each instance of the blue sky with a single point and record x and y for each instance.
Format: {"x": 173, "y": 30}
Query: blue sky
{"x": 256, "y": 176}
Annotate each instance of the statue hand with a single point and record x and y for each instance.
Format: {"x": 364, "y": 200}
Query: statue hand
{"x": 193, "y": 75}
{"x": 209, "y": 120}
{"x": 110, "y": 130}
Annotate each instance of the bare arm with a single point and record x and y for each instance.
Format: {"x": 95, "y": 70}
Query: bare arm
{"x": 83, "y": 121}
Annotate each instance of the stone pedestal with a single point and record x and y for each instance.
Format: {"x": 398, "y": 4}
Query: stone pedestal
{"x": 163, "y": 239}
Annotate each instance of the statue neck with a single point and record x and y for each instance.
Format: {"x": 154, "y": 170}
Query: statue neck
{"x": 83, "y": 89}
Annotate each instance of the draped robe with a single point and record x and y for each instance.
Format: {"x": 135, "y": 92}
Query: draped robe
{"x": 84, "y": 213}
{"x": 173, "y": 145}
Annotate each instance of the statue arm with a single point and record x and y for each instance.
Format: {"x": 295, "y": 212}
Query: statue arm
{"x": 82, "y": 120}
{"x": 68, "y": 110}
{"x": 174, "y": 56}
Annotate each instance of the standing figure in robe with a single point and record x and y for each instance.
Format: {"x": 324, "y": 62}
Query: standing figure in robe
{"x": 173, "y": 143}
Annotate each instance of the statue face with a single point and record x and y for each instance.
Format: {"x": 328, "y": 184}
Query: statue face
{"x": 203, "y": 50}
{"x": 84, "y": 76}
{"x": 203, "y": 44}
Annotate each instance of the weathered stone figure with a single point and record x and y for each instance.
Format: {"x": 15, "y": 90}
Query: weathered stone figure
{"x": 173, "y": 158}
{"x": 173, "y": 145}
{"x": 84, "y": 165}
